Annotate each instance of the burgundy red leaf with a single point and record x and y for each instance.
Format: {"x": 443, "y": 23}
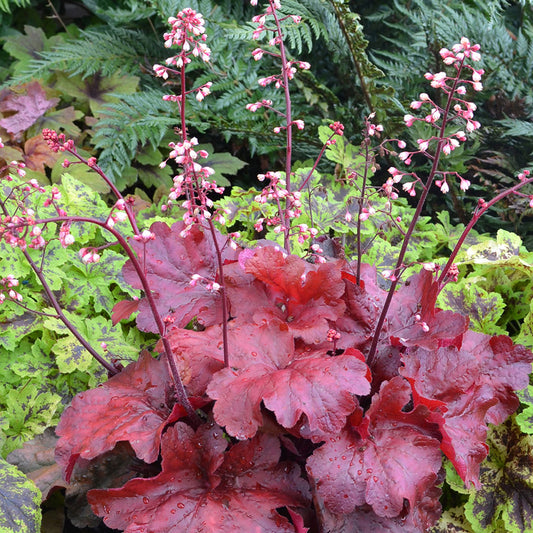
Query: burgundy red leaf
{"x": 198, "y": 355}
{"x": 171, "y": 261}
{"x": 134, "y": 406}
{"x": 265, "y": 367}
{"x": 205, "y": 489}
{"x": 414, "y": 319}
{"x": 468, "y": 387}
{"x": 304, "y": 295}
{"x": 393, "y": 455}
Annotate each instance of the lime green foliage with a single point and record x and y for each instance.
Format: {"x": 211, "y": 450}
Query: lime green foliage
{"x": 41, "y": 363}
{"x": 525, "y": 418}
{"x": 495, "y": 287}
{"x": 504, "y": 503}
{"x": 20, "y": 501}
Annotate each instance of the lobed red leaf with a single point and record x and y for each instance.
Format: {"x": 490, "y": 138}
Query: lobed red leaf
{"x": 205, "y": 489}
{"x": 170, "y": 261}
{"x": 394, "y": 455}
{"x": 134, "y": 406}
{"x": 467, "y": 388}
{"x": 265, "y": 367}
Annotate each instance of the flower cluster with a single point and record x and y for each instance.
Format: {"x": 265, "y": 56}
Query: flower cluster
{"x": 57, "y": 142}
{"x": 6, "y": 288}
{"x": 275, "y": 192}
{"x": 188, "y": 33}
{"x": 455, "y": 87}
{"x": 193, "y": 183}
{"x": 89, "y": 255}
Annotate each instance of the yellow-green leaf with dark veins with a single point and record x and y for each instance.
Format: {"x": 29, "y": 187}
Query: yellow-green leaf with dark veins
{"x": 29, "y": 410}
{"x": 469, "y": 299}
{"x": 20, "y": 501}
{"x": 505, "y": 501}
{"x": 14, "y": 328}
{"x": 101, "y": 330}
{"x": 525, "y": 418}
{"x": 92, "y": 285}
{"x": 452, "y": 521}
{"x": 525, "y": 336}
{"x": 71, "y": 355}
{"x": 80, "y": 199}
{"x": 54, "y": 257}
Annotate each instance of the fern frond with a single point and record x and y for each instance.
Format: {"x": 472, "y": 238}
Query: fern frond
{"x": 117, "y": 16}
{"x": 101, "y": 49}
{"x": 517, "y": 128}
{"x": 136, "y": 120}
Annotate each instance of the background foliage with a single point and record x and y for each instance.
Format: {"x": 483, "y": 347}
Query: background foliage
{"x": 93, "y": 61}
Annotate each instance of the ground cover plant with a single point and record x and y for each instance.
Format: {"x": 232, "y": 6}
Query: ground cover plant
{"x": 298, "y": 381}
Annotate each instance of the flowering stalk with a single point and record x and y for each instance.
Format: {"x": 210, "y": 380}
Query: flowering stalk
{"x": 370, "y": 130}
{"x": 58, "y": 143}
{"x": 444, "y": 144}
{"x": 288, "y": 70}
{"x": 188, "y": 33}
{"x": 181, "y": 395}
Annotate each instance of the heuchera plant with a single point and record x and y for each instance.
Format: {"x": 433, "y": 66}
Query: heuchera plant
{"x": 287, "y": 393}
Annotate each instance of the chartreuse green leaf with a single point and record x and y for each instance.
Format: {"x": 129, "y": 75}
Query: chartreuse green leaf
{"x": 12, "y": 262}
{"x": 14, "y": 328}
{"x": 525, "y": 336}
{"x": 470, "y": 299}
{"x": 79, "y": 199}
{"x": 344, "y": 153}
{"x": 20, "y": 501}
{"x": 452, "y": 520}
{"x": 29, "y": 409}
{"x": 37, "y": 361}
{"x": 71, "y": 356}
{"x": 525, "y": 418}
{"x": 505, "y": 501}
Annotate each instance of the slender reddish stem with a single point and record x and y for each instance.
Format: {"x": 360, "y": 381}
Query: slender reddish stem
{"x": 181, "y": 394}
{"x": 416, "y": 216}
{"x": 288, "y": 118}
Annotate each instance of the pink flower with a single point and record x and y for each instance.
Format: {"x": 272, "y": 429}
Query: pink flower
{"x": 409, "y": 119}
{"x": 433, "y": 116}
{"x": 423, "y": 144}
{"x": 442, "y": 185}
{"x": 257, "y": 54}
{"x": 409, "y": 187}
{"x": 337, "y": 128}
{"x": 465, "y": 184}
{"x": 405, "y": 157}
{"x": 438, "y": 80}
